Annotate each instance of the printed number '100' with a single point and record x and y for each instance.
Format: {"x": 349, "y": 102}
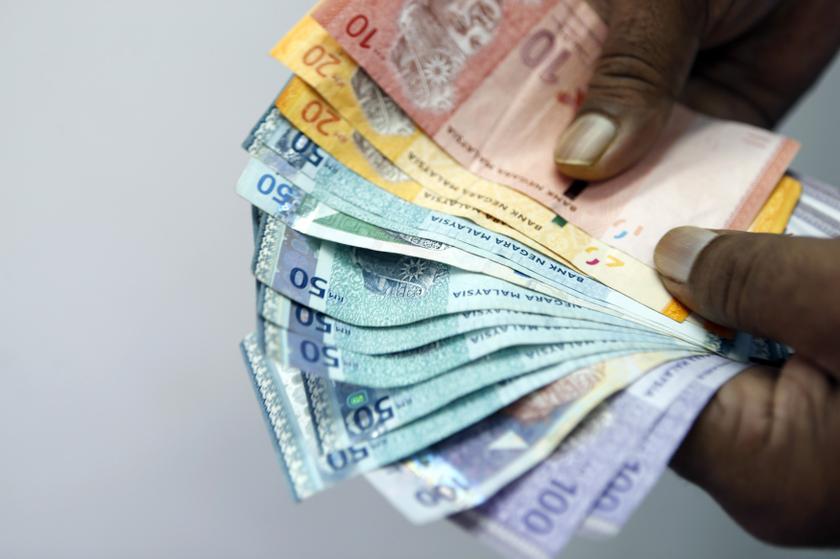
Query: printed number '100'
{"x": 551, "y": 502}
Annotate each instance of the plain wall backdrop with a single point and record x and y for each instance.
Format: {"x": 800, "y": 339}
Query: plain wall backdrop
{"x": 128, "y": 427}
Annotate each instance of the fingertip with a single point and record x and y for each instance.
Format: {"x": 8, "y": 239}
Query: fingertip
{"x": 680, "y": 291}
{"x": 607, "y": 139}
{"x": 585, "y": 141}
{"x": 677, "y": 251}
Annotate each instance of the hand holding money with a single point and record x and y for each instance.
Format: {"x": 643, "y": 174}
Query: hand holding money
{"x": 743, "y": 60}
{"x": 484, "y": 338}
{"x": 767, "y": 432}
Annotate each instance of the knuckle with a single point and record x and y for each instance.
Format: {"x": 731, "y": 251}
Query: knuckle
{"x": 732, "y": 274}
{"x": 626, "y": 75}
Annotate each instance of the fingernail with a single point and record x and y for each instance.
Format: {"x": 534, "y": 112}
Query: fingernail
{"x": 585, "y": 141}
{"x": 678, "y": 249}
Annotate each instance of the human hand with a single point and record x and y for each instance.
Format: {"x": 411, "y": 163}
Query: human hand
{"x": 747, "y": 60}
{"x": 767, "y": 447}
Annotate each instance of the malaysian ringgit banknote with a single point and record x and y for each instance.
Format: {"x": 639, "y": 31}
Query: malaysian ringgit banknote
{"x": 452, "y": 67}
{"x": 818, "y": 211}
{"x": 522, "y": 214}
{"x": 277, "y": 241}
{"x": 358, "y": 286}
{"x": 316, "y": 219}
{"x": 316, "y": 357}
{"x": 346, "y": 414}
{"x": 311, "y": 114}
{"x": 307, "y": 215}
{"x": 309, "y": 471}
{"x": 285, "y": 313}
{"x": 472, "y": 466}
{"x": 411, "y": 319}
{"x": 817, "y": 214}
{"x": 293, "y": 163}
{"x": 288, "y": 163}
{"x": 537, "y": 515}
{"x": 597, "y": 258}
{"x": 642, "y": 469}
{"x": 302, "y": 167}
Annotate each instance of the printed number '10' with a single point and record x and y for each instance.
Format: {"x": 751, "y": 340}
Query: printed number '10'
{"x": 357, "y": 28}
{"x": 536, "y": 48}
{"x": 315, "y": 113}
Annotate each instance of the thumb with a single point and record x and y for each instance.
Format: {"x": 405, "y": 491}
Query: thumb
{"x": 642, "y": 68}
{"x": 784, "y": 288}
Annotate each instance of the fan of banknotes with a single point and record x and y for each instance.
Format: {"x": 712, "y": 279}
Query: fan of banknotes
{"x": 440, "y": 310}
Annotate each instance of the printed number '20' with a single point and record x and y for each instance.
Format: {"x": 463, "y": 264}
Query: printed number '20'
{"x": 315, "y": 113}
{"x": 319, "y": 58}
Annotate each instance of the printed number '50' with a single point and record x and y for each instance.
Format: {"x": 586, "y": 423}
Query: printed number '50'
{"x": 312, "y": 319}
{"x": 301, "y": 280}
{"x": 313, "y": 353}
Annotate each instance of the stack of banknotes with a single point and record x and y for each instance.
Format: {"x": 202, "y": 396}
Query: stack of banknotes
{"x": 440, "y": 310}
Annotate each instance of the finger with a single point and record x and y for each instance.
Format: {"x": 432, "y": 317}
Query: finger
{"x": 643, "y": 66}
{"x": 765, "y": 449}
{"x": 753, "y": 79}
{"x": 784, "y": 288}
{"x": 735, "y": 420}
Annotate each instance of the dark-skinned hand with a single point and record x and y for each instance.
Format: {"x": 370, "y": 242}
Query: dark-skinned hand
{"x": 746, "y": 60}
{"x": 767, "y": 447}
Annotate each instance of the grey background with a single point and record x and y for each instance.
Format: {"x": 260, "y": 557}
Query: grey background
{"x": 128, "y": 427}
